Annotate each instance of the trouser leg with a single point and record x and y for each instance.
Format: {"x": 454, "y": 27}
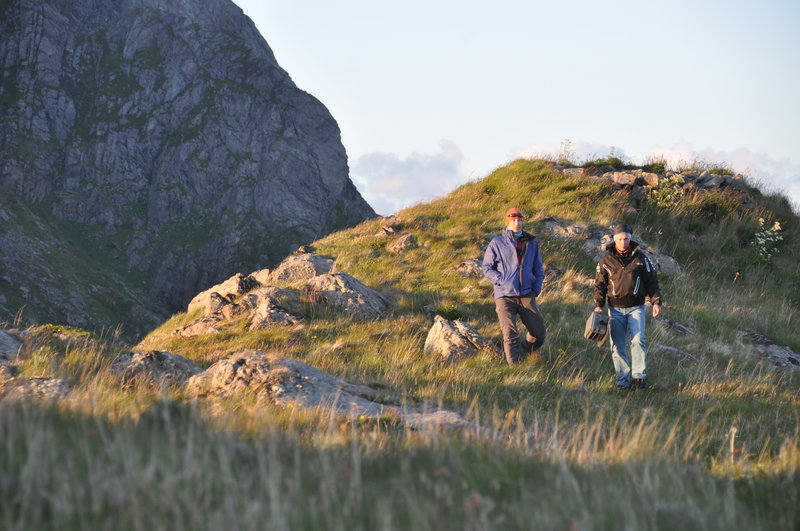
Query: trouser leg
{"x": 636, "y": 324}
{"x": 507, "y": 315}
{"x": 533, "y": 321}
{"x": 618, "y": 324}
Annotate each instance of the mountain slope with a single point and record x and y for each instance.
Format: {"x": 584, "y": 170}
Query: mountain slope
{"x": 713, "y": 443}
{"x": 168, "y": 133}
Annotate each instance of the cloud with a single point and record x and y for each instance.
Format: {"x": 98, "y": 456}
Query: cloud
{"x": 390, "y": 183}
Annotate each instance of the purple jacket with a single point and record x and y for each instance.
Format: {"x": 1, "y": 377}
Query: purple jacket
{"x": 510, "y": 277}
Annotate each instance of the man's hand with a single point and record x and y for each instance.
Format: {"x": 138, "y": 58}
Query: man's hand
{"x": 598, "y": 309}
{"x": 656, "y": 310}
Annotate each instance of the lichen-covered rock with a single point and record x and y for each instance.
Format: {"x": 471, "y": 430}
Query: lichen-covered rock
{"x": 561, "y": 228}
{"x": 469, "y": 269}
{"x": 153, "y": 367}
{"x": 299, "y": 268}
{"x": 209, "y": 300}
{"x": 348, "y": 295}
{"x": 208, "y": 324}
{"x": 403, "y": 243}
{"x": 450, "y": 341}
{"x": 290, "y": 383}
{"x": 36, "y": 389}
{"x": 775, "y": 354}
{"x": 283, "y": 381}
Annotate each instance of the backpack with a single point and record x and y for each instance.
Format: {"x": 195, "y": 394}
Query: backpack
{"x": 596, "y": 327}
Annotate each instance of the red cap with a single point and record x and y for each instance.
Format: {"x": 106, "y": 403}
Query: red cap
{"x": 513, "y": 213}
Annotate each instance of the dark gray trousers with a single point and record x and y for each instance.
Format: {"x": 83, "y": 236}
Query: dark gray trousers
{"x": 516, "y": 348}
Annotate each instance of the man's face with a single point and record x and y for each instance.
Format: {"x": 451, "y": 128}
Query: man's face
{"x": 514, "y": 224}
{"x": 622, "y": 241}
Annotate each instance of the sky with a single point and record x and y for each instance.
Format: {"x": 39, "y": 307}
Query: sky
{"x": 432, "y": 94}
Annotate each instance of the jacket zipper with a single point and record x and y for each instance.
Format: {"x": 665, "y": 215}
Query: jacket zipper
{"x": 521, "y": 263}
{"x": 636, "y": 287}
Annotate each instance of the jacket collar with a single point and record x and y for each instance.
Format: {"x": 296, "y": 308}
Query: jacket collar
{"x": 612, "y": 248}
{"x": 525, "y": 235}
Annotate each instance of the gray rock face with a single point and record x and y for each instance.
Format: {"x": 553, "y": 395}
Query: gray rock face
{"x": 167, "y": 134}
{"x": 154, "y": 367}
{"x": 346, "y": 294}
{"x": 450, "y": 341}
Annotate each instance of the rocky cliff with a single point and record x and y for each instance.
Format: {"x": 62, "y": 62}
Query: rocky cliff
{"x": 156, "y": 145}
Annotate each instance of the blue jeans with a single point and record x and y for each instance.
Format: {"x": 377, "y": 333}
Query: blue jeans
{"x": 621, "y": 321}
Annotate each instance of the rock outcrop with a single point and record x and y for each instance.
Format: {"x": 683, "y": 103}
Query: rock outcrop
{"x": 155, "y": 367}
{"x": 450, "y": 341}
{"x": 9, "y": 346}
{"x": 775, "y": 354}
{"x": 348, "y": 295}
{"x": 286, "y": 382}
{"x": 154, "y": 139}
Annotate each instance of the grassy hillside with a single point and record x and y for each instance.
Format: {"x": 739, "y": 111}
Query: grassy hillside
{"x": 714, "y": 444}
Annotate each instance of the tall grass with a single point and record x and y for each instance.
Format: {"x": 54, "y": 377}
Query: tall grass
{"x": 714, "y": 443}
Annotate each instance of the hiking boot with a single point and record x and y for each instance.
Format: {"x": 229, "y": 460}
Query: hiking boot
{"x": 640, "y": 383}
{"x": 623, "y": 386}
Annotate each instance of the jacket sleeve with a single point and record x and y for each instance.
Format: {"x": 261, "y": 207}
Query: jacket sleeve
{"x": 490, "y": 264}
{"x": 600, "y": 285}
{"x": 538, "y": 271}
{"x": 651, "y": 282}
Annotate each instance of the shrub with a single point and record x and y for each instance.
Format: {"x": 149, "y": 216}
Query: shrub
{"x": 449, "y": 312}
{"x": 766, "y": 240}
{"x": 668, "y": 193}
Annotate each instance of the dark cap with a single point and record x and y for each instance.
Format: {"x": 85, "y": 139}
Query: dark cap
{"x": 622, "y": 227}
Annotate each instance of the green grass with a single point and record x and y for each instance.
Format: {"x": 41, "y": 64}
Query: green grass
{"x": 714, "y": 444}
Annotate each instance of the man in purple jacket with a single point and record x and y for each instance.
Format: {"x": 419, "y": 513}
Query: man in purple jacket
{"x": 513, "y": 265}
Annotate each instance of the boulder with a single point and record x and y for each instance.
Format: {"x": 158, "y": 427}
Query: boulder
{"x": 287, "y": 299}
{"x": 300, "y": 267}
{"x": 775, "y": 354}
{"x": 651, "y": 179}
{"x": 7, "y": 374}
{"x": 267, "y": 315}
{"x": 386, "y": 230}
{"x": 469, "y": 269}
{"x": 664, "y": 263}
{"x": 561, "y": 228}
{"x": 208, "y": 324}
{"x": 403, "y": 243}
{"x": 346, "y": 294}
{"x": 450, "y": 341}
{"x": 10, "y": 346}
{"x": 154, "y": 367}
{"x": 235, "y": 285}
{"x": 622, "y": 178}
{"x": 38, "y": 389}
{"x": 290, "y": 383}
{"x": 283, "y": 381}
